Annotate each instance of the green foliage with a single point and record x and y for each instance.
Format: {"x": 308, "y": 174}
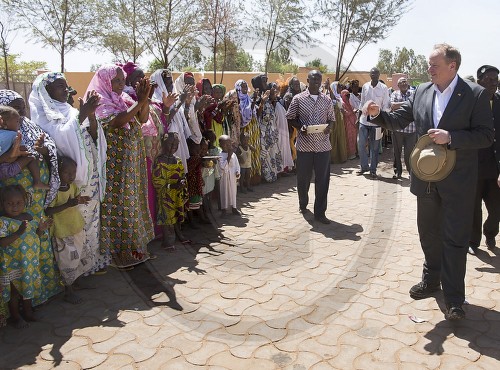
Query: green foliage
{"x": 280, "y": 24}
{"x": 279, "y": 61}
{"x": 20, "y": 70}
{"x": 188, "y": 59}
{"x": 403, "y": 60}
{"x": 63, "y": 25}
{"x": 316, "y": 63}
{"x": 358, "y": 23}
{"x": 231, "y": 57}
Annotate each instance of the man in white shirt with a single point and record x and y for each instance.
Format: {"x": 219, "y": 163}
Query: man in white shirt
{"x": 457, "y": 114}
{"x": 370, "y": 133}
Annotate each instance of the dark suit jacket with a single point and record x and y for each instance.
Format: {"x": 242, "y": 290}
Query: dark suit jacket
{"x": 489, "y": 158}
{"x": 467, "y": 117}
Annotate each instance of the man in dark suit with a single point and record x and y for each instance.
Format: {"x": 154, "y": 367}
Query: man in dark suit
{"x": 455, "y": 113}
{"x": 488, "y": 182}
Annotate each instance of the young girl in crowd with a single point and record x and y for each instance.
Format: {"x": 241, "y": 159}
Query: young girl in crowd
{"x": 208, "y": 174}
{"x": 171, "y": 191}
{"x": 230, "y": 173}
{"x": 19, "y": 250}
{"x": 244, "y": 154}
{"x": 195, "y": 183}
{"x": 8, "y": 132}
{"x": 72, "y": 253}
{"x": 214, "y": 151}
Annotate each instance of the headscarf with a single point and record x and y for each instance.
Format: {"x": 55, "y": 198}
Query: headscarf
{"x": 111, "y": 103}
{"x": 219, "y": 86}
{"x": 199, "y": 85}
{"x": 8, "y": 96}
{"x": 194, "y": 126}
{"x": 128, "y": 67}
{"x": 345, "y": 99}
{"x": 157, "y": 77}
{"x": 31, "y": 133}
{"x": 60, "y": 120}
{"x": 245, "y": 104}
{"x": 258, "y": 83}
{"x": 334, "y": 87}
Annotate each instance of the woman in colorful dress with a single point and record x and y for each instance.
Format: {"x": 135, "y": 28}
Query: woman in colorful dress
{"x": 270, "y": 154}
{"x": 126, "y": 226}
{"x": 40, "y": 145}
{"x": 249, "y": 125}
{"x": 351, "y": 129}
{"x": 337, "y": 136}
{"x": 79, "y": 136}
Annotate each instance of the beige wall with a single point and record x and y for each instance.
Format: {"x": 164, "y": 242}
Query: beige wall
{"x": 80, "y": 80}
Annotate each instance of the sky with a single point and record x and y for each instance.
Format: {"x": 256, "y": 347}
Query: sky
{"x": 471, "y": 26}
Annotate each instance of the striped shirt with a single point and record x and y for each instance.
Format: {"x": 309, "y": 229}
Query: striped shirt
{"x": 308, "y": 111}
{"x": 398, "y": 97}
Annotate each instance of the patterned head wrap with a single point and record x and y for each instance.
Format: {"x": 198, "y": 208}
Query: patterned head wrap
{"x": 8, "y": 96}
{"x": 245, "y": 104}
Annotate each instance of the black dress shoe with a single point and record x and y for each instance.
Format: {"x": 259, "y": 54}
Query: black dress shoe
{"x": 454, "y": 311}
{"x": 423, "y": 290}
{"x": 323, "y": 220}
{"x": 491, "y": 243}
{"x": 303, "y": 210}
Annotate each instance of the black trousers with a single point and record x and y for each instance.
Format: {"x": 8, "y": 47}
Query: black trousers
{"x": 402, "y": 140}
{"x": 488, "y": 191}
{"x": 444, "y": 224}
{"x": 320, "y": 163}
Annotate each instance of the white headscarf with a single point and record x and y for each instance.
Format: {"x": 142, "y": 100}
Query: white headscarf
{"x": 60, "y": 121}
{"x": 157, "y": 77}
{"x": 194, "y": 126}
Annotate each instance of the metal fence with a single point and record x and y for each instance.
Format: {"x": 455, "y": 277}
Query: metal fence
{"x": 21, "y": 84}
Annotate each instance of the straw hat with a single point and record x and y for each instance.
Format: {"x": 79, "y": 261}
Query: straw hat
{"x": 430, "y": 161}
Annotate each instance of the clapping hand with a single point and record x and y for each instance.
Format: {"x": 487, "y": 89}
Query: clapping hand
{"x": 170, "y": 99}
{"x": 22, "y": 228}
{"x": 143, "y": 90}
{"x": 39, "y": 147}
{"x": 266, "y": 96}
{"x": 45, "y": 223}
{"x": 79, "y": 199}
{"x": 89, "y": 107}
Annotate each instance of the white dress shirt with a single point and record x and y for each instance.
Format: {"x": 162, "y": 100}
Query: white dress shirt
{"x": 441, "y": 100}
{"x": 379, "y": 94}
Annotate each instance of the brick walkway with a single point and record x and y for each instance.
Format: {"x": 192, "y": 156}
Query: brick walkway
{"x": 275, "y": 290}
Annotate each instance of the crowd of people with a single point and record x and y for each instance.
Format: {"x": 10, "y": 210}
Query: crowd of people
{"x": 83, "y": 189}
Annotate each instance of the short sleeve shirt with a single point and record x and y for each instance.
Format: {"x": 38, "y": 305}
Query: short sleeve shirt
{"x": 309, "y": 111}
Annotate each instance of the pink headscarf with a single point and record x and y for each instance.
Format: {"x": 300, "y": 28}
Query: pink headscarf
{"x": 111, "y": 103}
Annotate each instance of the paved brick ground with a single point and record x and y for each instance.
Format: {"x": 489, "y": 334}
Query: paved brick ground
{"x": 275, "y": 290}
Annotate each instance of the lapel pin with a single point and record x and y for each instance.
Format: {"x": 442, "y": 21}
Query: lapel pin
{"x": 459, "y": 94}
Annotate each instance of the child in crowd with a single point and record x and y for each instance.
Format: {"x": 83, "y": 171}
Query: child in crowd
{"x": 195, "y": 183}
{"x": 8, "y": 133}
{"x": 244, "y": 154}
{"x": 171, "y": 191}
{"x": 73, "y": 255}
{"x": 214, "y": 151}
{"x": 19, "y": 251}
{"x": 208, "y": 173}
{"x": 230, "y": 172}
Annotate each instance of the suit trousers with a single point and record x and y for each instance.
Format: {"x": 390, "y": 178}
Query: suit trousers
{"x": 444, "y": 224}
{"x": 400, "y": 140}
{"x": 488, "y": 191}
{"x": 320, "y": 163}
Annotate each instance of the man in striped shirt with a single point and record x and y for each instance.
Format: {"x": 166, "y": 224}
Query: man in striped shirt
{"x": 406, "y": 137}
{"x": 310, "y": 108}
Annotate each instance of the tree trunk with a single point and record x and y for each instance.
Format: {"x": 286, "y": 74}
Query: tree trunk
{"x": 6, "y": 67}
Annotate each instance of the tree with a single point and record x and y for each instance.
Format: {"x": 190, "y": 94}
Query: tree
{"x": 190, "y": 58}
{"x": 280, "y": 24}
{"x": 4, "y": 45}
{"x": 120, "y": 32}
{"x": 61, "y": 24}
{"x": 403, "y": 60}
{"x": 220, "y": 25}
{"x": 317, "y": 64}
{"x": 21, "y": 71}
{"x": 279, "y": 61}
{"x": 358, "y": 23}
{"x": 231, "y": 57}
{"x": 172, "y": 25}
